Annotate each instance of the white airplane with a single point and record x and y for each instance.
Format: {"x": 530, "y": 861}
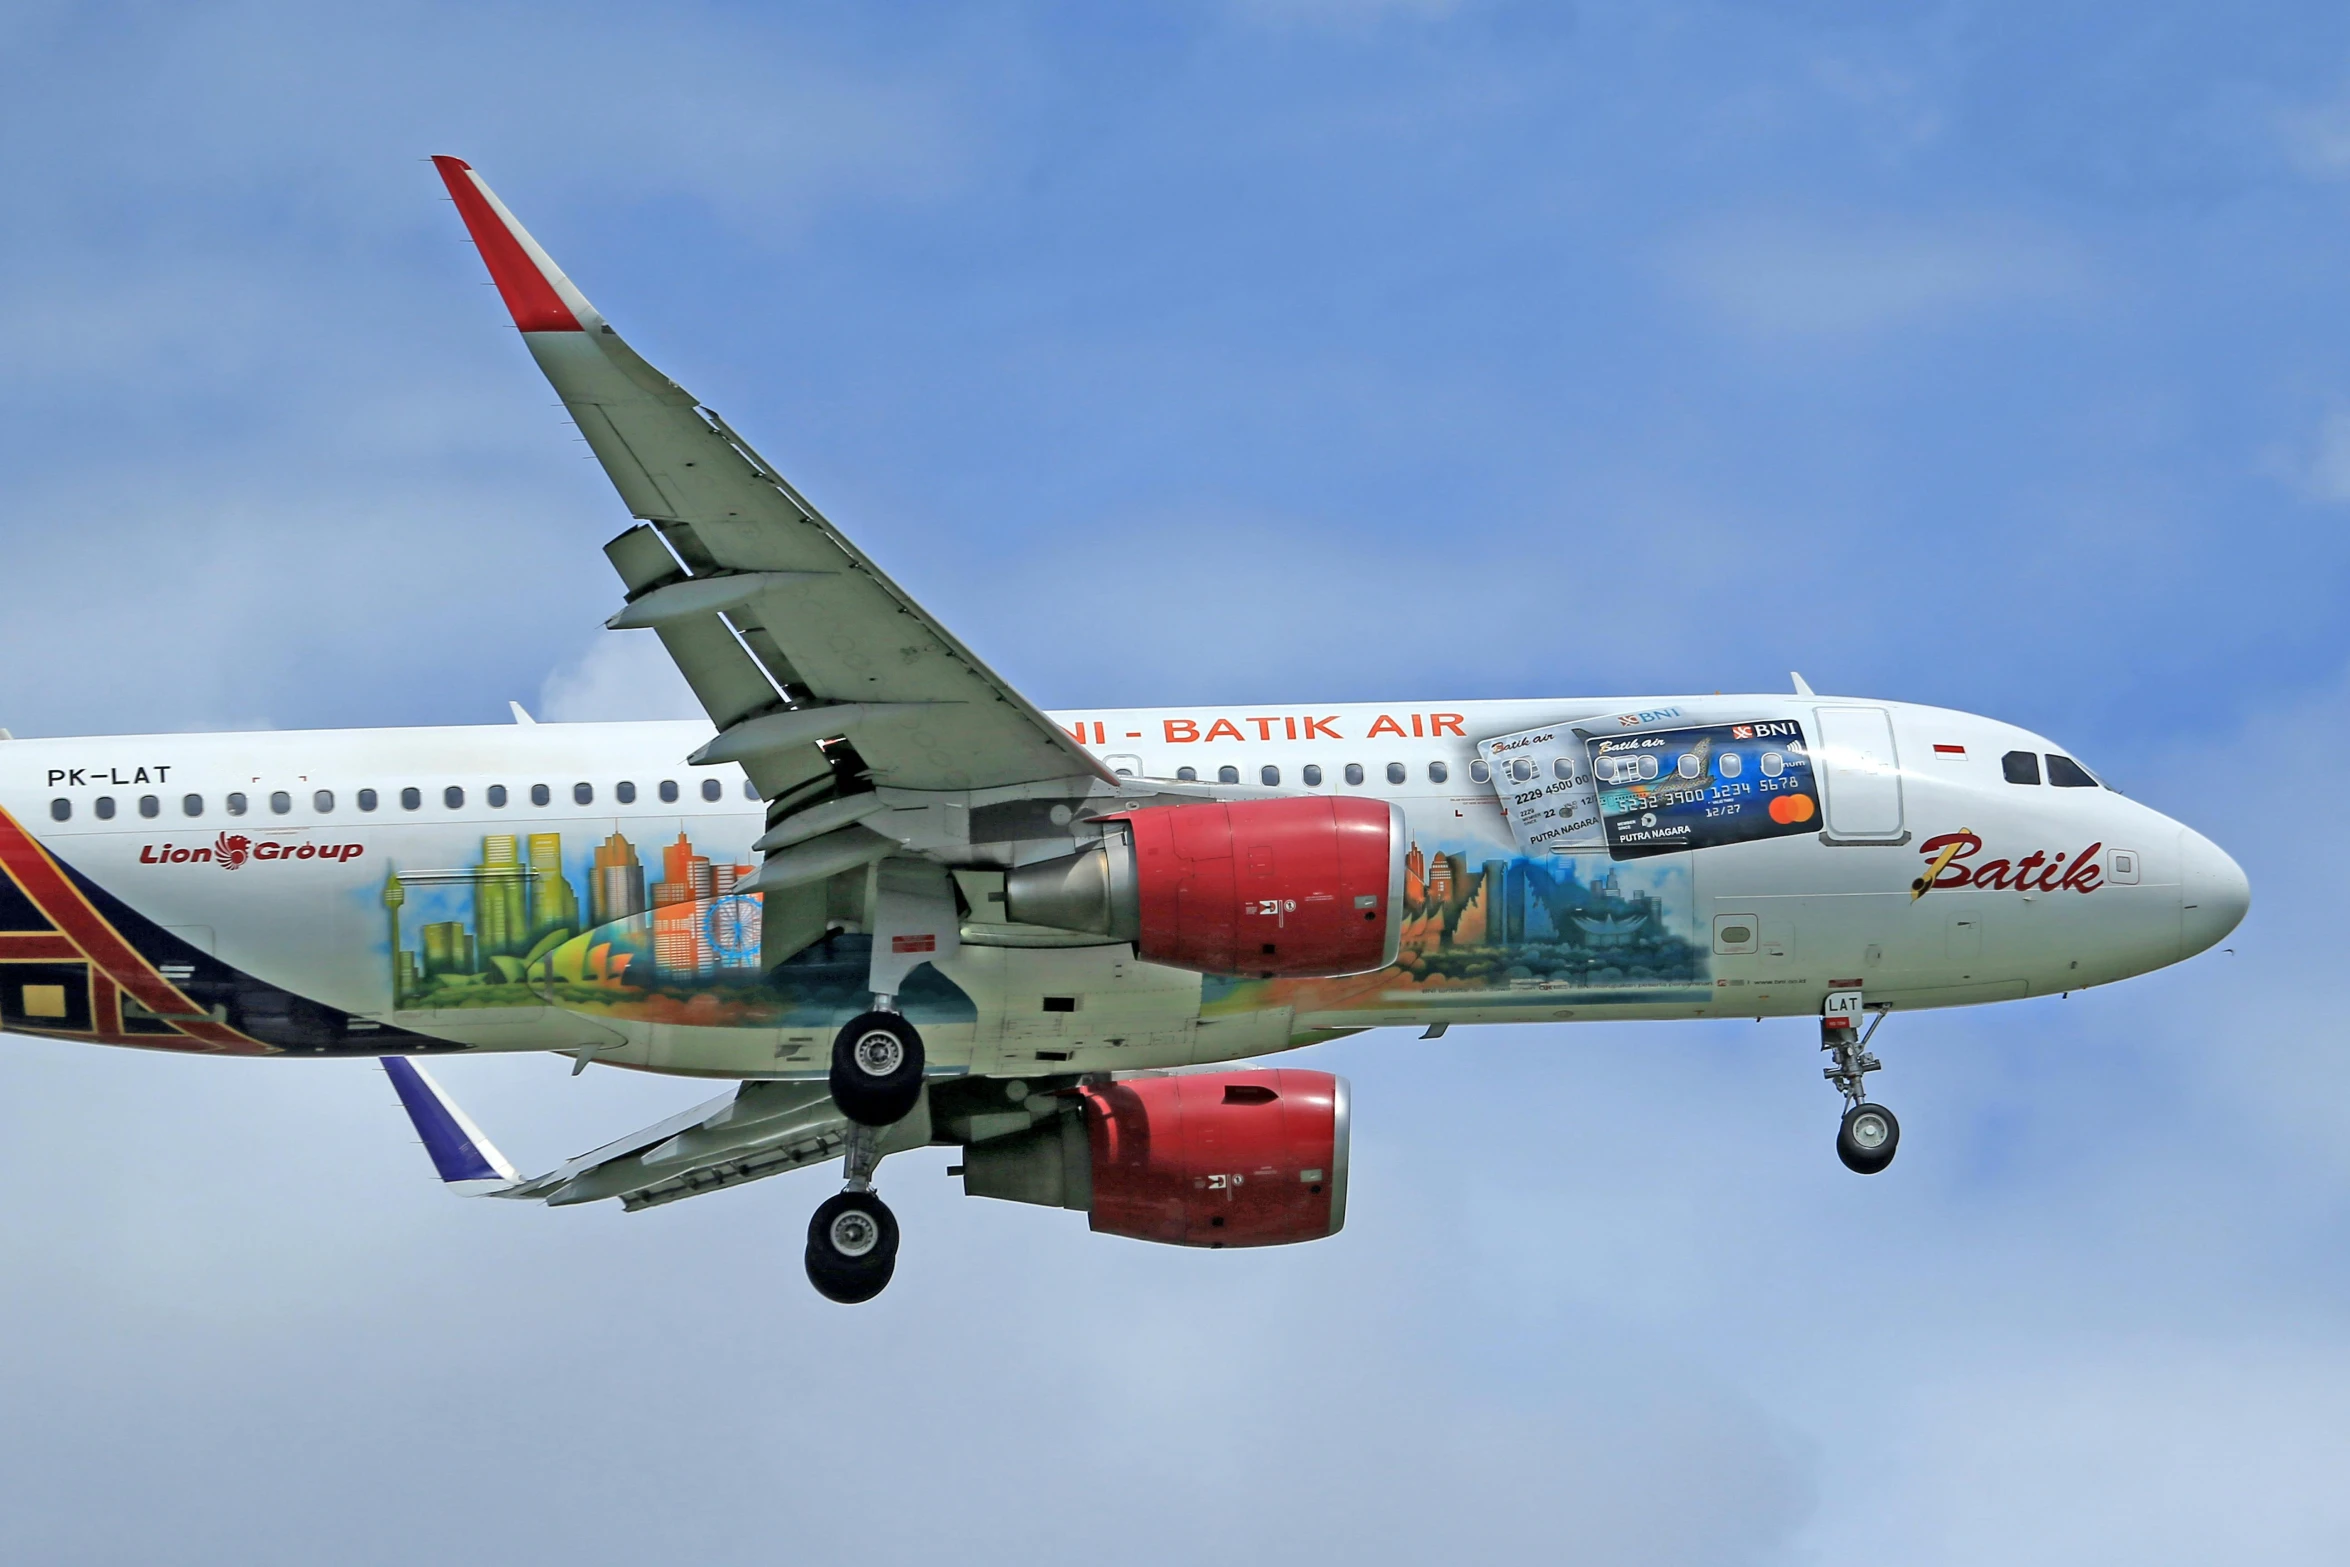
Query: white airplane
{"x": 895, "y": 904}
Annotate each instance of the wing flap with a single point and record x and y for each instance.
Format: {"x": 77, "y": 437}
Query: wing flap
{"x": 762, "y": 1129}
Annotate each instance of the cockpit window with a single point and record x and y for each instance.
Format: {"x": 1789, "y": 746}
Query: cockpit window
{"x": 2020, "y": 767}
{"x": 2065, "y": 773}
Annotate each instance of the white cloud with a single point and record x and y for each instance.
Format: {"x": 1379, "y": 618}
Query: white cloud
{"x": 1343, "y": 13}
{"x": 2316, "y": 136}
{"x": 1785, "y": 277}
{"x": 2319, "y": 468}
{"x": 2152, "y": 1451}
{"x": 621, "y": 675}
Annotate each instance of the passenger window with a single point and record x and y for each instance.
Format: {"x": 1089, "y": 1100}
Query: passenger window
{"x": 1624, "y": 769}
{"x": 280, "y": 802}
{"x": 1479, "y": 772}
{"x": 1521, "y": 769}
{"x": 1354, "y": 773}
{"x": 453, "y": 797}
{"x": 1187, "y": 774}
{"x": 1438, "y": 772}
{"x": 624, "y": 792}
{"x": 411, "y": 798}
{"x": 1312, "y": 774}
{"x": 236, "y": 805}
{"x": 2021, "y": 767}
{"x": 583, "y": 794}
{"x": 496, "y": 795}
{"x": 367, "y": 799}
{"x": 191, "y": 805}
{"x": 1397, "y": 772}
{"x": 61, "y": 809}
{"x": 2065, "y": 773}
{"x": 750, "y": 790}
{"x": 1270, "y": 777}
{"x": 1563, "y": 769}
{"x": 1227, "y": 775}
{"x": 104, "y": 807}
{"x": 149, "y": 806}
{"x": 323, "y": 801}
{"x": 668, "y": 791}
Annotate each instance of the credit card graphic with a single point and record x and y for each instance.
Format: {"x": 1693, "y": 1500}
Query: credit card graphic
{"x": 1665, "y": 790}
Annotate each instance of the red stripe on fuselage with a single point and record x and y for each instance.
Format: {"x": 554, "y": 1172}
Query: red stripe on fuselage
{"x": 105, "y": 1005}
{"x": 96, "y": 940}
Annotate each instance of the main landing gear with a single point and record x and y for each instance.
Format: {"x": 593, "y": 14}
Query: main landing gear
{"x": 876, "y": 1068}
{"x": 876, "y": 1080}
{"x": 853, "y": 1237}
{"x": 1869, "y": 1135}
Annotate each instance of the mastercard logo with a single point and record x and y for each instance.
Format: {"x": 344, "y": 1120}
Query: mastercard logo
{"x": 1790, "y": 810}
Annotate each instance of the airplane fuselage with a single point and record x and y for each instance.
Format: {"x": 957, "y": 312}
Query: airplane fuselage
{"x": 571, "y": 886}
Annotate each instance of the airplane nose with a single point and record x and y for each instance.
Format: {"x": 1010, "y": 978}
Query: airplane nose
{"x": 2213, "y": 893}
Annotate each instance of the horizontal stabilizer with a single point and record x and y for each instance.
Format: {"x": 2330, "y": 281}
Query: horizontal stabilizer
{"x": 458, "y": 1149}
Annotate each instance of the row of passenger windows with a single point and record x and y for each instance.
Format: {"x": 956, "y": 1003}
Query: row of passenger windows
{"x": 1397, "y": 773}
{"x": 322, "y": 801}
{"x": 2023, "y": 767}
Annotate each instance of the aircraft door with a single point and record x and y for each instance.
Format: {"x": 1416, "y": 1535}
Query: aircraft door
{"x": 1860, "y": 775}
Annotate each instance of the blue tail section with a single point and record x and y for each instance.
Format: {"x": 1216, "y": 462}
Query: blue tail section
{"x": 458, "y": 1149}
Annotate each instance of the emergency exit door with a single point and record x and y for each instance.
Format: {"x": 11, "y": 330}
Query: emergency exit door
{"x": 1860, "y": 776}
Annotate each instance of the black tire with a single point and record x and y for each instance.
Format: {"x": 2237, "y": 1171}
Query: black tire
{"x": 876, "y": 1068}
{"x": 1868, "y": 1139}
{"x": 852, "y": 1247}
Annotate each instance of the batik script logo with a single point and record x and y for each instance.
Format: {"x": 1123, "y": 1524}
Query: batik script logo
{"x": 1947, "y": 858}
{"x": 233, "y": 850}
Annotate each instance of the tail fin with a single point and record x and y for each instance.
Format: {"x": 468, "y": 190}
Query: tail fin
{"x": 458, "y": 1149}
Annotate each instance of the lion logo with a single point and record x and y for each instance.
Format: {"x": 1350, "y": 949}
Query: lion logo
{"x": 231, "y": 849}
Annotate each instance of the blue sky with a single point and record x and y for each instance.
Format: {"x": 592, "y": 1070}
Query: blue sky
{"x": 1991, "y": 355}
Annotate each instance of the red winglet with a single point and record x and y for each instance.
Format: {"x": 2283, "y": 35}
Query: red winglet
{"x": 530, "y": 296}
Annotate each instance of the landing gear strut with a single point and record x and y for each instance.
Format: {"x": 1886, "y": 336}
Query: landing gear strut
{"x": 1869, "y": 1135}
{"x": 853, "y": 1237}
{"x": 876, "y": 1078}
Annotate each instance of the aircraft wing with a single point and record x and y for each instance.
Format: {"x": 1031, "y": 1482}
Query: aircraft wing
{"x": 791, "y": 638}
{"x": 761, "y": 1129}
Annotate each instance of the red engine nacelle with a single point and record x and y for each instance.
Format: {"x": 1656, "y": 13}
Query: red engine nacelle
{"x": 1295, "y": 887}
{"x": 1219, "y": 1158}
{"x": 1191, "y": 1159}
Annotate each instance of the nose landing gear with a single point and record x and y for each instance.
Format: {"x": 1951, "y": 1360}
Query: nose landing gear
{"x": 1869, "y": 1135}
{"x": 1867, "y": 1138}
